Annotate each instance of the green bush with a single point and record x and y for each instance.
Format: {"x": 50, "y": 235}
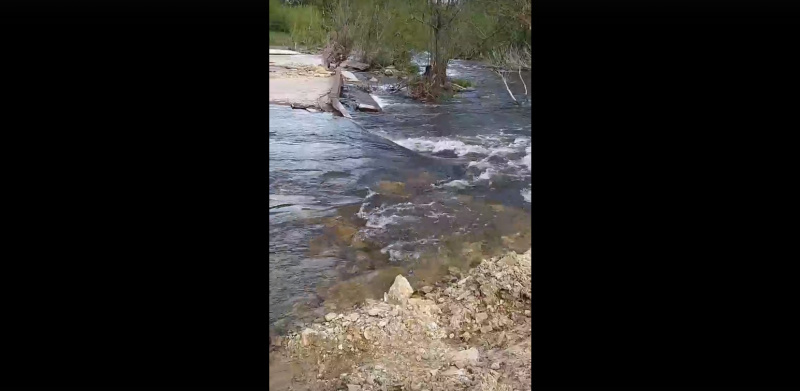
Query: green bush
{"x": 412, "y": 68}
{"x": 303, "y": 23}
{"x": 462, "y": 82}
{"x": 279, "y": 38}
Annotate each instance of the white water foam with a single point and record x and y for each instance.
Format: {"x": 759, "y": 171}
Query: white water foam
{"x": 458, "y": 184}
{"x": 486, "y": 175}
{"x": 378, "y": 100}
{"x": 440, "y": 145}
{"x": 526, "y": 195}
{"x": 379, "y": 218}
{"x": 527, "y": 159}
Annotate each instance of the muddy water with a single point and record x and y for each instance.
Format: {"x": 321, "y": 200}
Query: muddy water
{"x": 417, "y": 189}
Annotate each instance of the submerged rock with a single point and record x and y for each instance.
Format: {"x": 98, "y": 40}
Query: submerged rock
{"x": 395, "y": 188}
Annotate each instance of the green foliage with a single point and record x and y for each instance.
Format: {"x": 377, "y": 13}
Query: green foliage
{"x": 279, "y": 38}
{"x": 462, "y": 82}
{"x": 277, "y": 16}
{"x": 304, "y": 23}
{"x": 383, "y": 32}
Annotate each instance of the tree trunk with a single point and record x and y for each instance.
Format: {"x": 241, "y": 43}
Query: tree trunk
{"x": 438, "y": 71}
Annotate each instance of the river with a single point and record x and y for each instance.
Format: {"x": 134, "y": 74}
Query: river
{"x": 417, "y": 189}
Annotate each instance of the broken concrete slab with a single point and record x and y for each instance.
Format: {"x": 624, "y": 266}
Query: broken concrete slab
{"x": 368, "y": 108}
{"x": 349, "y": 76}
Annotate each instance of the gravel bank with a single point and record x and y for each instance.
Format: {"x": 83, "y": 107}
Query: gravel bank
{"x": 471, "y": 330}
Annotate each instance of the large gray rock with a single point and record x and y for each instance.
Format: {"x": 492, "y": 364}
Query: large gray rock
{"x": 400, "y": 291}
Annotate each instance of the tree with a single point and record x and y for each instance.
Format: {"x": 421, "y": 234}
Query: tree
{"x": 439, "y": 16}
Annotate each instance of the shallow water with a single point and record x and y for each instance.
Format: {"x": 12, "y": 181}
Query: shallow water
{"x": 352, "y": 203}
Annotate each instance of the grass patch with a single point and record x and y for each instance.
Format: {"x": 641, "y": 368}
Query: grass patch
{"x": 462, "y": 82}
{"x": 279, "y": 38}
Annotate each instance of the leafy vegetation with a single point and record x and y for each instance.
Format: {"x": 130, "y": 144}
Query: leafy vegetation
{"x": 462, "y": 82}
{"x": 383, "y": 33}
{"x": 279, "y": 38}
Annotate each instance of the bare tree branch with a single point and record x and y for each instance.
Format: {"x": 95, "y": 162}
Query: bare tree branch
{"x": 519, "y": 70}
{"x": 506, "y": 84}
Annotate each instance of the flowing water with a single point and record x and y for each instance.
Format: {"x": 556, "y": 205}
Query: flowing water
{"x": 416, "y": 189}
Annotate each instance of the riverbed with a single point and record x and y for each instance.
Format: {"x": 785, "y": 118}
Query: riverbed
{"x": 417, "y": 189}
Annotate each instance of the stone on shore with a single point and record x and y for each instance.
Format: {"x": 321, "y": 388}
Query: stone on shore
{"x": 307, "y": 336}
{"x": 400, "y": 291}
{"x": 465, "y": 357}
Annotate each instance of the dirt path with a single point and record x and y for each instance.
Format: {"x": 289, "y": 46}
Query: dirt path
{"x": 298, "y": 79}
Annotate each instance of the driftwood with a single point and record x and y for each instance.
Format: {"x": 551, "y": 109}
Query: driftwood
{"x": 519, "y": 70}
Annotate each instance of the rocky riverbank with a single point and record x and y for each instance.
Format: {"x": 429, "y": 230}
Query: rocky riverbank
{"x": 471, "y": 330}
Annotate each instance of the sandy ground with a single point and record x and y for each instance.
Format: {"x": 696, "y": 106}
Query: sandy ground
{"x": 289, "y": 83}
